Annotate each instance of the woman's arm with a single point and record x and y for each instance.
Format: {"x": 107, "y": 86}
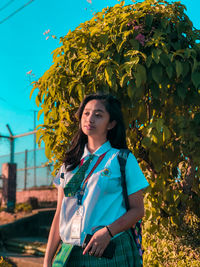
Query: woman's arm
{"x": 132, "y": 216}
{"x": 54, "y": 237}
{"x": 101, "y": 238}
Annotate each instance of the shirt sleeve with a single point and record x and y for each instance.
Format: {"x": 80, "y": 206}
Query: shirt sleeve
{"x": 135, "y": 178}
{"x": 59, "y": 179}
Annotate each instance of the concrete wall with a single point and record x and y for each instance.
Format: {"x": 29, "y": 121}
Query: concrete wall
{"x": 43, "y": 195}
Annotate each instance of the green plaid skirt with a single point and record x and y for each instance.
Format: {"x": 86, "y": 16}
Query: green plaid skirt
{"x": 126, "y": 255}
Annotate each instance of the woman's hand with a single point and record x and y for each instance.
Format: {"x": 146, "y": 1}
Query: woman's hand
{"x": 98, "y": 243}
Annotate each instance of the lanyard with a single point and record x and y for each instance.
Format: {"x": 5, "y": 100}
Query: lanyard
{"x": 81, "y": 192}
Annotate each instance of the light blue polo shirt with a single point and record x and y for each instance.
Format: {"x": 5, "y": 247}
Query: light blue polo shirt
{"x": 103, "y": 201}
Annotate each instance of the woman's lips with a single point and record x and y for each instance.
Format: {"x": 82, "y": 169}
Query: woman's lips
{"x": 89, "y": 127}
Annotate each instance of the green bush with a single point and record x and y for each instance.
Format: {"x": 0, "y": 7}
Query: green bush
{"x": 26, "y": 207}
{"x": 172, "y": 246}
{"x": 5, "y": 262}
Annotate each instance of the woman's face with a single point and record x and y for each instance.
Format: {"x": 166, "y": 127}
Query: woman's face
{"x": 95, "y": 120}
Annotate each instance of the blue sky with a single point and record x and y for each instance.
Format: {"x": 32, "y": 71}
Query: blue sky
{"x": 24, "y": 48}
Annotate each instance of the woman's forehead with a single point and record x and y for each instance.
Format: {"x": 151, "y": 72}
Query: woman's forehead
{"x": 95, "y": 105}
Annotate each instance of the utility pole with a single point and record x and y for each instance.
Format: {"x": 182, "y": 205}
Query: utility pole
{"x": 12, "y": 148}
{"x": 34, "y": 151}
{"x": 25, "y": 169}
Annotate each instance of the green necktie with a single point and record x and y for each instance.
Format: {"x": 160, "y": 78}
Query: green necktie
{"x": 75, "y": 183}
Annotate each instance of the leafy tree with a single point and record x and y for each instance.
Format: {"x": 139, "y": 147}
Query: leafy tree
{"x": 148, "y": 55}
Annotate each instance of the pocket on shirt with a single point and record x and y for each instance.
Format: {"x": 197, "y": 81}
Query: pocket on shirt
{"x": 110, "y": 182}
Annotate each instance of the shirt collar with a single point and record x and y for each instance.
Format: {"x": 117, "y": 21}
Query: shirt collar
{"x": 101, "y": 150}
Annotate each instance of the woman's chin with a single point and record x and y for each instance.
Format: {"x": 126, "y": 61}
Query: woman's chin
{"x": 89, "y": 131}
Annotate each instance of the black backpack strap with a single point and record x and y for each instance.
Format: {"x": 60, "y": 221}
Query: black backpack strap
{"x": 122, "y": 158}
{"x": 136, "y": 231}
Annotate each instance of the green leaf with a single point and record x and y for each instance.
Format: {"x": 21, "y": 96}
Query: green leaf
{"x": 131, "y": 89}
{"x": 138, "y": 79}
{"x": 186, "y": 68}
{"x": 166, "y": 133}
{"x": 124, "y": 79}
{"x": 195, "y": 64}
{"x": 67, "y": 116}
{"x": 142, "y": 112}
{"x": 155, "y": 91}
{"x": 164, "y": 22}
{"x": 179, "y": 68}
{"x": 119, "y": 46}
{"x": 102, "y": 62}
{"x": 76, "y": 65}
{"x": 139, "y": 92}
{"x": 134, "y": 43}
{"x": 39, "y": 114}
{"x": 140, "y": 75}
{"x": 148, "y": 215}
{"x": 156, "y": 55}
{"x": 71, "y": 86}
{"x": 153, "y": 229}
{"x": 81, "y": 92}
{"x": 148, "y": 61}
{"x": 146, "y": 142}
{"x": 47, "y": 151}
{"x": 142, "y": 71}
{"x": 122, "y": 3}
{"x": 32, "y": 90}
{"x": 148, "y": 20}
{"x": 108, "y": 75}
{"x": 52, "y": 90}
{"x": 175, "y": 220}
{"x": 159, "y": 125}
{"x": 169, "y": 71}
{"x": 164, "y": 59}
{"x": 37, "y": 101}
{"x": 104, "y": 38}
{"x": 94, "y": 31}
{"x": 157, "y": 73}
{"x": 182, "y": 91}
{"x": 155, "y": 138}
{"x": 196, "y": 79}
{"x": 114, "y": 84}
{"x": 38, "y": 135}
{"x": 157, "y": 160}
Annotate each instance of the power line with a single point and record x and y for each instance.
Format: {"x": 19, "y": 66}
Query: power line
{"x": 3, "y": 7}
{"x": 16, "y": 11}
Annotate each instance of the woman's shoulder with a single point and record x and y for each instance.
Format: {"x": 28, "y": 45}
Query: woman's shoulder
{"x": 123, "y": 150}
{"x": 114, "y": 153}
{"x": 114, "y": 150}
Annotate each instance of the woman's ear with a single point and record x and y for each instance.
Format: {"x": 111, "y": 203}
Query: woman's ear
{"x": 111, "y": 125}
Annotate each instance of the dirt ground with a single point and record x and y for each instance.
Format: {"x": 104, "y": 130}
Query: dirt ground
{"x": 6, "y": 217}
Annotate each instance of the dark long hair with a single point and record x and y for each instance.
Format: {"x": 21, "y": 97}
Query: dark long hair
{"x": 116, "y": 136}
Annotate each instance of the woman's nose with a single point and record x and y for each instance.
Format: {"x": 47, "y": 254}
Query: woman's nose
{"x": 91, "y": 118}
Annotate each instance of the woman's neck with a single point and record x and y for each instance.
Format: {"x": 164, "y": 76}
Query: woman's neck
{"x": 93, "y": 144}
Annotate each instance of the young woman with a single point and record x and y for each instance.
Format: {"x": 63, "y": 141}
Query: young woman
{"x": 97, "y": 207}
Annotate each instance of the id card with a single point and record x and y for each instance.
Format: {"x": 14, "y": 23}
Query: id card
{"x": 76, "y": 224}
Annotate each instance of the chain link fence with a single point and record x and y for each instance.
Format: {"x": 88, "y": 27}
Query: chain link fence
{"x": 30, "y": 172}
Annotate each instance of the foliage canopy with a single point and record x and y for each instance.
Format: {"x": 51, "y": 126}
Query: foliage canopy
{"x": 147, "y": 55}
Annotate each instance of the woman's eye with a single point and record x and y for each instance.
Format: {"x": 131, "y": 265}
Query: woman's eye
{"x": 98, "y": 115}
{"x": 86, "y": 113}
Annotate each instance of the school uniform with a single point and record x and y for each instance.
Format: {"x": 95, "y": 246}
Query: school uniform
{"x": 102, "y": 204}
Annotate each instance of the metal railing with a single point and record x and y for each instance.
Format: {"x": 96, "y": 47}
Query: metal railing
{"x": 29, "y": 172}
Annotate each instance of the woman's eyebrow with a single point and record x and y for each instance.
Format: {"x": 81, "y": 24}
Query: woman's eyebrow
{"x": 95, "y": 110}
